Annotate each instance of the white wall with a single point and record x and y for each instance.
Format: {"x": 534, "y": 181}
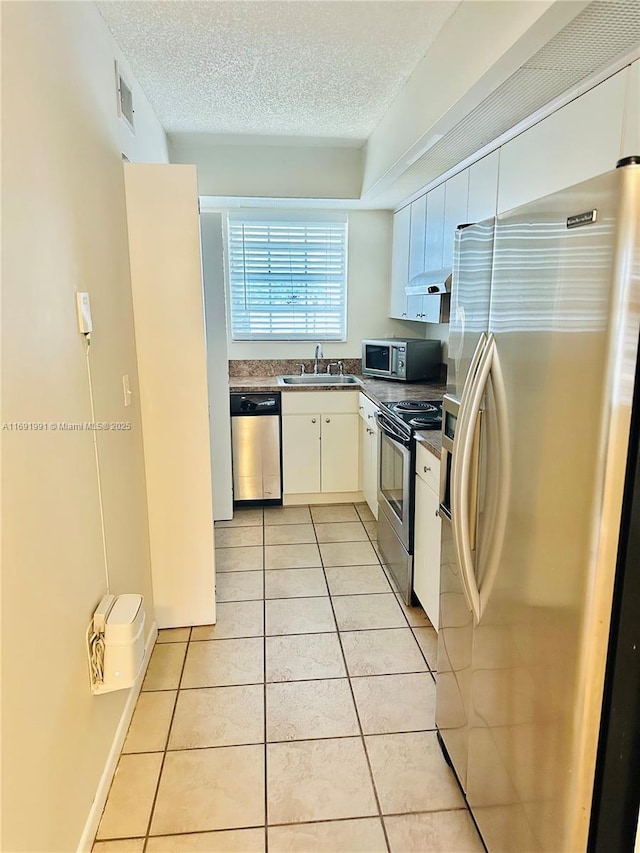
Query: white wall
{"x": 166, "y": 282}
{"x": 369, "y": 271}
{"x": 271, "y": 170}
{"x": 63, "y": 229}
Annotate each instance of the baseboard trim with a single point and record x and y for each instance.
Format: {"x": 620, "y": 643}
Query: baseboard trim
{"x": 95, "y": 813}
{"x": 323, "y": 498}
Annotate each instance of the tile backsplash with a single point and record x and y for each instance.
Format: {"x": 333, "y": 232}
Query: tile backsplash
{"x": 275, "y": 367}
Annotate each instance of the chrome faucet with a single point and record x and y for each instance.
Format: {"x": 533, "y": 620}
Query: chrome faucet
{"x": 332, "y": 364}
{"x": 318, "y": 355}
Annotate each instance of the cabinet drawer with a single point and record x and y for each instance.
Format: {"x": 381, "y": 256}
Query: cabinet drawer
{"x": 311, "y": 402}
{"x": 367, "y": 409}
{"x": 428, "y": 468}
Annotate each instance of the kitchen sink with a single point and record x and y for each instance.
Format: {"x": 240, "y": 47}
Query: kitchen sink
{"x": 320, "y": 379}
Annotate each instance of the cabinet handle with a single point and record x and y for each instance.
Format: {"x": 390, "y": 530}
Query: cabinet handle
{"x": 361, "y": 408}
{"x": 426, "y": 469}
{"x": 328, "y": 421}
{"x": 370, "y": 417}
{"x": 313, "y": 420}
{"x": 404, "y": 313}
{"x": 437, "y": 513}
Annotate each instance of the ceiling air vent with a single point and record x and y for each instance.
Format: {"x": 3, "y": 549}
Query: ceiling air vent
{"x": 125, "y": 100}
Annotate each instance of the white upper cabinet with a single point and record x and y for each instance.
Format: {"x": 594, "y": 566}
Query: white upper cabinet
{"x": 483, "y": 188}
{"x": 577, "y": 142}
{"x": 434, "y": 237}
{"x": 581, "y": 140}
{"x": 400, "y": 263}
{"x": 455, "y": 211}
{"x": 417, "y": 236}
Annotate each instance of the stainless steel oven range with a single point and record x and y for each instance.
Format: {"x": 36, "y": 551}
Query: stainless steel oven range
{"x": 398, "y": 424}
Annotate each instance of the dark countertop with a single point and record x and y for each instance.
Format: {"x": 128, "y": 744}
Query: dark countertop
{"x": 378, "y": 390}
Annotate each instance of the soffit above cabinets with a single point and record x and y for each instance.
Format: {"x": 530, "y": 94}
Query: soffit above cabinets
{"x": 594, "y": 40}
{"x": 307, "y": 69}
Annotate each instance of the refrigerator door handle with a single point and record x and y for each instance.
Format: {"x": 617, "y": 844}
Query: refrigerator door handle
{"x": 473, "y": 369}
{"x": 461, "y": 474}
{"x": 504, "y": 478}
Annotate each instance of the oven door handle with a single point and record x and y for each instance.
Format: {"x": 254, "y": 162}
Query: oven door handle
{"x": 389, "y": 431}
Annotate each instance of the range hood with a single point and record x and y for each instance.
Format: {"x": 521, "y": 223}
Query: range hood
{"x": 430, "y": 283}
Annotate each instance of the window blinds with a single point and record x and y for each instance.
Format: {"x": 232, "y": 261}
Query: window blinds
{"x": 287, "y": 279}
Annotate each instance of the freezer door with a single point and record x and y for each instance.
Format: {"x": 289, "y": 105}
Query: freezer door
{"x": 455, "y": 636}
{"x": 470, "y": 294}
{"x": 552, "y": 300}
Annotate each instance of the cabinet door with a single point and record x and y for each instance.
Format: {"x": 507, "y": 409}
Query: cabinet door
{"x": 426, "y": 561}
{"x": 400, "y": 263}
{"x": 366, "y": 472}
{"x": 374, "y": 455}
{"x": 455, "y": 212}
{"x": 369, "y": 464}
{"x": 435, "y": 229}
{"x": 414, "y": 308}
{"x": 417, "y": 236}
{"x": 340, "y": 456}
{"x": 301, "y": 453}
{"x": 483, "y": 188}
{"x": 431, "y": 309}
{"x": 576, "y": 143}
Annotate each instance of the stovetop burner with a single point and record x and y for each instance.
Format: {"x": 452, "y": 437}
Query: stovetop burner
{"x": 414, "y": 406}
{"x": 416, "y": 414}
{"x": 423, "y": 423}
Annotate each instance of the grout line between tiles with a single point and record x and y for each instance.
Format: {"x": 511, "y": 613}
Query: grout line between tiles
{"x": 295, "y": 823}
{"x": 210, "y": 746}
{"x": 166, "y": 744}
{"x": 355, "y": 705}
{"x": 264, "y": 688}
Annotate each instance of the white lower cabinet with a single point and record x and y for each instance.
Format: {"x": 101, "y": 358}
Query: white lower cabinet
{"x": 339, "y": 453}
{"x": 301, "y": 453}
{"x": 320, "y": 443}
{"x": 369, "y": 444}
{"x": 426, "y": 560}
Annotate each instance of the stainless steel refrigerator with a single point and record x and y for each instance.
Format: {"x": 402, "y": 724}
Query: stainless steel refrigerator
{"x": 545, "y": 317}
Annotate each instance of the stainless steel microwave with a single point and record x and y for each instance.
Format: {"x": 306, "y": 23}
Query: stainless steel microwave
{"x": 406, "y": 359}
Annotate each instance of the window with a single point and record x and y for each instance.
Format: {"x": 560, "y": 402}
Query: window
{"x": 287, "y": 277}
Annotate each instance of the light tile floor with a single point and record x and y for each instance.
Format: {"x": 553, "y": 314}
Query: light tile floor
{"x": 303, "y": 720}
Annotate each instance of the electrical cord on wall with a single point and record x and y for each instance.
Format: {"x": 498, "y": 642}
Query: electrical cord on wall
{"x": 95, "y": 649}
{"x": 95, "y": 449}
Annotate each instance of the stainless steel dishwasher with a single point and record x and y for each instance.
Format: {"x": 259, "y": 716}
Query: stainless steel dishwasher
{"x": 255, "y": 441}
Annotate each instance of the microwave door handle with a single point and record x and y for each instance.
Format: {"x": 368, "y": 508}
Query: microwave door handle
{"x": 393, "y": 360}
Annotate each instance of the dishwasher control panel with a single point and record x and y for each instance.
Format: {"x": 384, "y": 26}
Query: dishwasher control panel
{"x": 255, "y": 404}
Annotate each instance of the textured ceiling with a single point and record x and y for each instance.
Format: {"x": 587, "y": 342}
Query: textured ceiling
{"x": 319, "y": 68}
